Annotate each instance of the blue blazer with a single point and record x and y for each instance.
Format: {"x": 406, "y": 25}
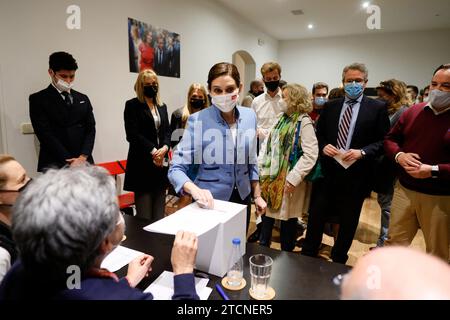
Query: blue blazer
{"x": 208, "y": 144}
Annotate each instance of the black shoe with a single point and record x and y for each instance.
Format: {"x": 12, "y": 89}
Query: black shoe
{"x": 254, "y": 236}
{"x": 301, "y": 227}
{"x": 299, "y": 242}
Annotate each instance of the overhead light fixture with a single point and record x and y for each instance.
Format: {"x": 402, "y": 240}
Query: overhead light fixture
{"x": 310, "y": 26}
{"x": 366, "y": 4}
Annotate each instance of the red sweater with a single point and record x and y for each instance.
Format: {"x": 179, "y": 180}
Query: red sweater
{"x": 420, "y": 131}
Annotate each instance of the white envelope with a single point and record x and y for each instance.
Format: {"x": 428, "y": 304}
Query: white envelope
{"x": 339, "y": 156}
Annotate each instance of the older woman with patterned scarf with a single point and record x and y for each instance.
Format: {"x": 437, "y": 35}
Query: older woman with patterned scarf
{"x": 286, "y": 158}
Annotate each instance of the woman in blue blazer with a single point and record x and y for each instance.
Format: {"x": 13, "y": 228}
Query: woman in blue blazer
{"x": 221, "y": 142}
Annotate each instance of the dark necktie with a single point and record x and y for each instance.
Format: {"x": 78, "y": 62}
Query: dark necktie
{"x": 344, "y": 125}
{"x": 67, "y": 99}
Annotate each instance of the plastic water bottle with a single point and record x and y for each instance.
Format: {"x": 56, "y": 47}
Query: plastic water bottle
{"x": 235, "y": 272}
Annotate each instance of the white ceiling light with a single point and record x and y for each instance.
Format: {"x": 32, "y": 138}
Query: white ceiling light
{"x": 366, "y": 4}
{"x": 310, "y": 26}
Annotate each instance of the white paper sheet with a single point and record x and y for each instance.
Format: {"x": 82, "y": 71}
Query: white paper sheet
{"x": 119, "y": 257}
{"x": 188, "y": 219}
{"x": 339, "y": 156}
{"x": 215, "y": 229}
{"x": 162, "y": 288}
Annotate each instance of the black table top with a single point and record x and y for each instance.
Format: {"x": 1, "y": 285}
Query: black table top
{"x": 294, "y": 277}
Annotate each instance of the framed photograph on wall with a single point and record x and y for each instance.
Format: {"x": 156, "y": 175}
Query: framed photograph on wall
{"x": 153, "y": 48}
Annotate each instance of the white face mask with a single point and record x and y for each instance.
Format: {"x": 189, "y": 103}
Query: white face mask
{"x": 63, "y": 85}
{"x": 439, "y": 100}
{"x": 225, "y": 102}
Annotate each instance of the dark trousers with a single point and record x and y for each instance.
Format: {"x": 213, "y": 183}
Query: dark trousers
{"x": 236, "y": 198}
{"x": 150, "y": 205}
{"x": 344, "y": 200}
{"x": 288, "y": 233}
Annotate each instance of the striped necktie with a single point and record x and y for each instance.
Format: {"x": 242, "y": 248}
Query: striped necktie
{"x": 344, "y": 126}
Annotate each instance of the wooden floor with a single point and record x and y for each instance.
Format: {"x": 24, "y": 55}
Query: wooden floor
{"x": 366, "y": 235}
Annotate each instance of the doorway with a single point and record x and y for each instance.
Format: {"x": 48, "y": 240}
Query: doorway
{"x": 247, "y": 69}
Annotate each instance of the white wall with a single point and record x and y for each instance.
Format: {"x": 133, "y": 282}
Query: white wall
{"x": 408, "y": 56}
{"x": 31, "y": 30}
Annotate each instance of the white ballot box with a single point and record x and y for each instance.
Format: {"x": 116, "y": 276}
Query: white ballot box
{"x": 215, "y": 229}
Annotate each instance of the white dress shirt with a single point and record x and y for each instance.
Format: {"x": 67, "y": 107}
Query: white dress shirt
{"x": 268, "y": 112}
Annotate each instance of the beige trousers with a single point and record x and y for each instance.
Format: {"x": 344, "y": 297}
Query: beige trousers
{"x": 412, "y": 210}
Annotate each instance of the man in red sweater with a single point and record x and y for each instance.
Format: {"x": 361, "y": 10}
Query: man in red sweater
{"x": 420, "y": 144}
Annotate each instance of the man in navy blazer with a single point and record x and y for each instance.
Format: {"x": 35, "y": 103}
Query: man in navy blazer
{"x": 352, "y": 128}
{"x": 62, "y": 118}
{"x": 161, "y": 58}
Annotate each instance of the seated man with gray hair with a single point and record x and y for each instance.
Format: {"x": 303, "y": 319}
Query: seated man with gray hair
{"x": 70, "y": 217}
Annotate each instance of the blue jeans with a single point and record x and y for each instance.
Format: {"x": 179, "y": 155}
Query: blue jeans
{"x": 385, "y": 201}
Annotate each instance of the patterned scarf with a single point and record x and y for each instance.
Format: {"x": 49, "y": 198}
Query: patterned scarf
{"x": 275, "y": 161}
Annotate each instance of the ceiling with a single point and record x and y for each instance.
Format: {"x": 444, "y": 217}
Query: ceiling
{"x": 339, "y": 17}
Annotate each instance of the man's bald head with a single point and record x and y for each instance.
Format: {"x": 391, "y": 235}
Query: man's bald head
{"x": 398, "y": 273}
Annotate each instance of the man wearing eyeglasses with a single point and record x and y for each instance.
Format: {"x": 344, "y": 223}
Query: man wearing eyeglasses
{"x": 420, "y": 144}
{"x": 13, "y": 179}
{"x": 350, "y": 131}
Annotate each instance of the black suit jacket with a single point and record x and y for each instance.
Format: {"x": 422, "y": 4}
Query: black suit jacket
{"x": 141, "y": 173}
{"x": 176, "y": 122}
{"x": 371, "y": 126}
{"x": 63, "y": 132}
{"x": 161, "y": 67}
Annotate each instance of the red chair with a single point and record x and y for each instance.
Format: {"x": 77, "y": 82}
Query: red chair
{"x": 116, "y": 168}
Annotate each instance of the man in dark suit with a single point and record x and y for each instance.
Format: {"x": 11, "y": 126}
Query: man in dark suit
{"x": 350, "y": 129}
{"x": 161, "y": 58}
{"x": 62, "y": 118}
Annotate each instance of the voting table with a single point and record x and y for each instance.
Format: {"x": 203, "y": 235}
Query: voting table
{"x": 294, "y": 277}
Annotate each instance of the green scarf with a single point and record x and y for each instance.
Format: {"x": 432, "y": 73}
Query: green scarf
{"x": 275, "y": 160}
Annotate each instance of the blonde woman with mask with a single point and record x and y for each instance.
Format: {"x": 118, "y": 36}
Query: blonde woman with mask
{"x": 148, "y": 132}
{"x": 285, "y": 159}
{"x": 197, "y": 99}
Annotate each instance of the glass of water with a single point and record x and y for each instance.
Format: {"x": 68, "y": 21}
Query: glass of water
{"x": 260, "y": 271}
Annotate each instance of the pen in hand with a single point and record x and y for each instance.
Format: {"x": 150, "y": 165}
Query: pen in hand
{"x": 221, "y": 292}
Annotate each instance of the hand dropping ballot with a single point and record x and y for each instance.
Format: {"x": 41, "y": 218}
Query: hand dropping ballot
{"x": 215, "y": 228}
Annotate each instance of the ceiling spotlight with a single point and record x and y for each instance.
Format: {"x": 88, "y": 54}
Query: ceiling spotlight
{"x": 310, "y": 26}
{"x": 366, "y": 4}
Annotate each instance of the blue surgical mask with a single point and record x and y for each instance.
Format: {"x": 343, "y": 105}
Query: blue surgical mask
{"x": 320, "y": 101}
{"x": 353, "y": 90}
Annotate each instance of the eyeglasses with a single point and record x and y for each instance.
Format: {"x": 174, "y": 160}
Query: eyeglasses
{"x": 22, "y": 188}
{"x": 121, "y": 219}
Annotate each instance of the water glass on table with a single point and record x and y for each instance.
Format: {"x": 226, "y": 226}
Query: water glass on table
{"x": 260, "y": 271}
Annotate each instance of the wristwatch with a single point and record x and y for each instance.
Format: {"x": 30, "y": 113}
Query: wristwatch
{"x": 363, "y": 153}
{"x": 434, "y": 171}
